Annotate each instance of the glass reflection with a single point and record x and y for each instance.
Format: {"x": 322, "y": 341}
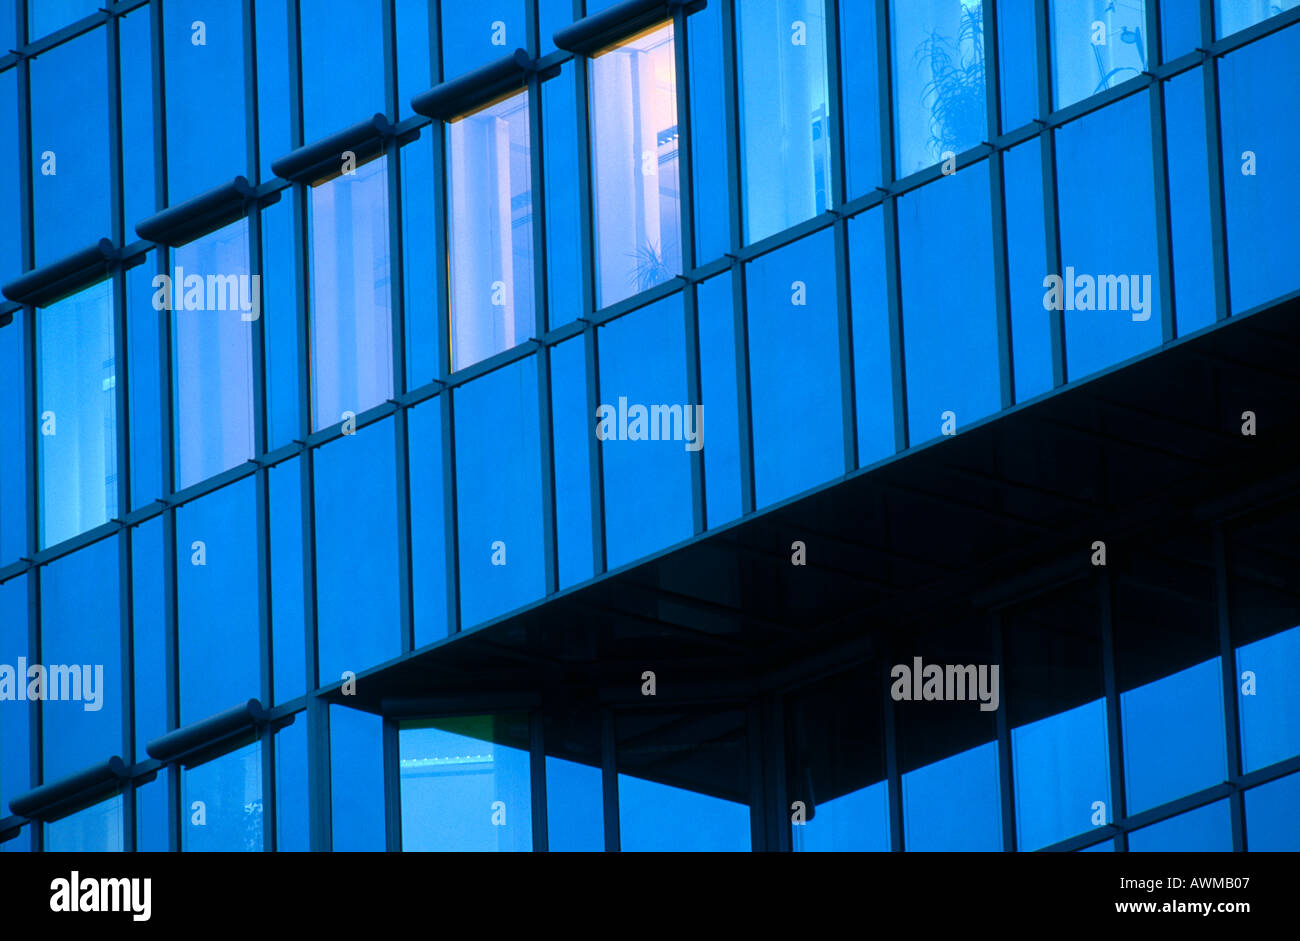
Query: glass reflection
{"x": 1096, "y": 45}
{"x": 953, "y": 804}
{"x": 97, "y": 829}
{"x": 221, "y": 803}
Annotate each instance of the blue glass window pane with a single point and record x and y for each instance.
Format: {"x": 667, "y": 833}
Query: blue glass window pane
{"x": 946, "y": 259}
{"x": 356, "y": 551}
{"x": 1062, "y": 770}
{"x": 292, "y": 833}
{"x": 13, "y": 445}
{"x": 1234, "y": 15}
{"x": 574, "y": 802}
{"x": 97, "y": 829}
{"x": 46, "y": 16}
{"x": 1017, "y": 62}
{"x": 11, "y": 258}
{"x": 1189, "y": 201}
{"x": 474, "y": 34}
{"x": 571, "y": 445}
{"x": 151, "y": 828}
{"x": 635, "y": 179}
{"x": 428, "y": 535}
{"x": 423, "y": 276}
{"x": 873, "y": 376}
{"x": 717, "y": 331}
{"x": 206, "y": 124}
{"x": 491, "y": 238}
{"x": 1096, "y": 44}
{"x": 356, "y": 780}
{"x": 647, "y": 429}
{"x": 280, "y": 322}
{"x": 794, "y": 387}
{"x": 953, "y": 804}
{"x": 77, "y": 405}
{"x": 9, "y": 24}
{"x": 712, "y": 184}
{"x": 498, "y": 453}
{"x": 1204, "y": 830}
{"x": 274, "y": 137}
{"x": 216, "y": 599}
{"x": 784, "y": 123}
{"x": 1269, "y": 699}
{"x": 333, "y": 97}
{"x": 288, "y": 638}
{"x": 853, "y": 823}
{"x": 560, "y": 166}
{"x": 212, "y": 344}
{"x": 552, "y": 15}
{"x": 352, "y": 353}
{"x": 15, "y": 719}
{"x": 149, "y": 634}
{"x": 145, "y": 328}
{"x": 465, "y": 785}
{"x": 938, "y": 65}
{"x": 1173, "y": 736}
{"x": 1108, "y": 846}
{"x": 70, "y": 185}
{"x": 135, "y": 60}
{"x": 221, "y": 803}
{"x": 1180, "y": 27}
{"x": 1262, "y": 242}
{"x": 860, "y": 79}
{"x": 1031, "y": 323}
{"x": 414, "y": 71}
{"x": 1108, "y": 238}
{"x": 1272, "y": 825}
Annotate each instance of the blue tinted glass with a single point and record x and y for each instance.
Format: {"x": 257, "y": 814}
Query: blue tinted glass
{"x": 351, "y": 319}
{"x": 946, "y": 259}
{"x": 1108, "y": 288}
{"x": 717, "y": 825}
{"x": 77, "y": 407}
{"x": 423, "y": 277}
{"x": 135, "y": 61}
{"x": 711, "y": 181}
{"x": 873, "y": 382}
{"x": 860, "y": 77}
{"x": 1017, "y": 62}
{"x": 280, "y": 323}
{"x": 574, "y": 801}
{"x": 1173, "y": 736}
{"x": 491, "y": 255}
{"x": 717, "y": 331}
{"x": 292, "y": 832}
{"x": 15, "y": 723}
{"x": 635, "y": 182}
{"x": 1180, "y": 27}
{"x": 428, "y": 535}
{"x": 474, "y": 34}
{"x": 46, "y": 16}
{"x": 221, "y": 803}
{"x": 953, "y": 804}
{"x": 465, "y": 785}
{"x": 1031, "y": 323}
{"x": 70, "y": 185}
{"x": 216, "y": 600}
{"x": 552, "y": 15}
{"x": 356, "y": 780}
{"x": 1204, "y": 830}
{"x": 9, "y": 24}
{"x": 1096, "y": 44}
{"x": 145, "y": 328}
{"x": 414, "y": 73}
{"x": 273, "y": 130}
{"x": 571, "y": 445}
{"x": 149, "y": 634}
{"x": 204, "y": 66}
{"x": 1271, "y": 821}
{"x": 215, "y": 303}
{"x": 1107, "y": 846}
{"x": 97, "y": 829}
{"x": 784, "y": 125}
{"x": 794, "y": 387}
{"x": 563, "y": 233}
{"x": 288, "y": 640}
{"x": 1189, "y": 201}
{"x": 938, "y": 67}
{"x": 356, "y": 551}
{"x": 1234, "y": 15}
{"x": 151, "y": 827}
{"x": 333, "y": 97}
{"x": 1269, "y": 699}
{"x": 647, "y": 430}
{"x": 855, "y": 822}
{"x": 1061, "y": 772}
{"x": 1262, "y": 242}
{"x": 11, "y": 260}
{"x": 13, "y": 471}
{"x": 498, "y": 492}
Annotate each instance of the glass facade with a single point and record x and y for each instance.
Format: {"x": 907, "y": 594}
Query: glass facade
{"x": 474, "y": 370}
